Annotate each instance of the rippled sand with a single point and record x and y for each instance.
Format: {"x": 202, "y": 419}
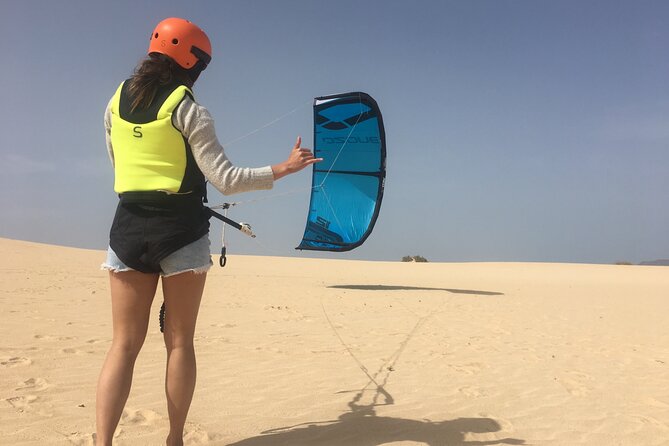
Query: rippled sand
{"x": 333, "y": 352}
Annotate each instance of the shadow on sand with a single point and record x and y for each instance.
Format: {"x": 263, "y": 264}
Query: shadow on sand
{"x": 361, "y": 426}
{"x": 412, "y": 288}
{"x": 364, "y": 428}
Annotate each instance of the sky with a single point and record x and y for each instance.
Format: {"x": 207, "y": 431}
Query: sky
{"x": 524, "y": 130}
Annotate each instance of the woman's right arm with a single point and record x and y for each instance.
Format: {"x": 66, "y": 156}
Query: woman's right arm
{"x": 197, "y": 125}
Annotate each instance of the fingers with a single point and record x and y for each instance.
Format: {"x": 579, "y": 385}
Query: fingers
{"x": 304, "y": 154}
{"x": 300, "y": 157}
{"x": 307, "y": 155}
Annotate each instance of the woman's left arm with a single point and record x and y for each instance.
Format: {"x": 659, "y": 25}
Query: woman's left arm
{"x": 110, "y": 149}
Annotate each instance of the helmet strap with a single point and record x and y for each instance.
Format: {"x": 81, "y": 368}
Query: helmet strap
{"x": 194, "y": 73}
{"x": 201, "y": 55}
{"x": 203, "y": 60}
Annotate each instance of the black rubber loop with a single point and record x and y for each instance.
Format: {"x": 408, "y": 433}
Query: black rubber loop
{"x": 222, "y": 260}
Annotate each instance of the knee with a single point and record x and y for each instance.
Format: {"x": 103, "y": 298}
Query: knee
{"x": 178, "y": 338}
{"x": 128, "y": 346}
{"x": 176, "y": 342}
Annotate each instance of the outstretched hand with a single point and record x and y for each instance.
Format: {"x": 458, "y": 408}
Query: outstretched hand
{"x": 299, "y": 158}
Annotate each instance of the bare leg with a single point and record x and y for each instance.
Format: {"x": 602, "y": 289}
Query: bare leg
{"x": 132, "y": 293}
{"x": 183, "y": 293}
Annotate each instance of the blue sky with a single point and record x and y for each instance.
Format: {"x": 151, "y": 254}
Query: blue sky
{"x": 517, "y": 130}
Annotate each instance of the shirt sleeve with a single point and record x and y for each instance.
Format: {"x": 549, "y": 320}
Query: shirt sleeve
{"x": 110, "y": 149}
{"x": 197, "y": 125}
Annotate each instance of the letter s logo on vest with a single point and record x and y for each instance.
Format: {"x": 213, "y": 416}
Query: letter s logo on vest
{"x": 136, "y": 131}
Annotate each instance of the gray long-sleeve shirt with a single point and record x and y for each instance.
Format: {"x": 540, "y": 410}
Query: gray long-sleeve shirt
{"x": 197, "y": 125}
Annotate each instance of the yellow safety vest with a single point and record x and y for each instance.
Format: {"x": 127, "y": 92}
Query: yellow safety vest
{"x": 153, "y": 155}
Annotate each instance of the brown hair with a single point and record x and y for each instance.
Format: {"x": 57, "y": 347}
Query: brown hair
{"x": 153, "y": 72}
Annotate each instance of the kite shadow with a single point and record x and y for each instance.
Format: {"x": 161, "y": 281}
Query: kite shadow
{"x": 361, "y": 426}
{"x": 413, "y": 288}
{"x": 360, "y": 429}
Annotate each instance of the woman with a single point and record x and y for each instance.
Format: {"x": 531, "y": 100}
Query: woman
{"x": 163, "y": 147}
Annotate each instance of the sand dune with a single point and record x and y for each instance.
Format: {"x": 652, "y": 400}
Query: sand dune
{"x": 331, "y": 352}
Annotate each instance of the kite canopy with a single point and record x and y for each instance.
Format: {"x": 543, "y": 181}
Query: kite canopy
{"x": 347, "y": 186}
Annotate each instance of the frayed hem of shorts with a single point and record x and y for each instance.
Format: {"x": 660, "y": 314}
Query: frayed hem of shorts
{"x": 113, "y": 269}
{"x": 201, "y": 270}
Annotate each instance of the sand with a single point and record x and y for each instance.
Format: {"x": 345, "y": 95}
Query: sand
{"x": 335, "y": 352}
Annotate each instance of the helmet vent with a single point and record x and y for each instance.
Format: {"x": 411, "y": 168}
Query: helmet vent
{"x": 155, "y": 35}
{"x": 175, "y": 41}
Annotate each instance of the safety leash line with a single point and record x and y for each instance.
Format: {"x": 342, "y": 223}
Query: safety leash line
{"x": 270, "y": 123}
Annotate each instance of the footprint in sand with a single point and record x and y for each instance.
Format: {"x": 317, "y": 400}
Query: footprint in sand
{"x": 14, "y": 361}
{"x": 22, "y": 403}
{"x": 30, "y": 404}
{"x": 501, "y": 331}
{"x": 75, "y": 351}
{"x": 71, "y": 351}
{"x": 656, "y": 403}
{"x": 34, "y": 384}
{"x": 53, "y": 338}
{"x": 223, "y": 325}
{"x": 471, "y": 368}
{"x": 645, "y": 422}
{"x": 81, "y": 439}
{"x": 576, "y": 383}
{"x": 197, "y": 435}
{"x": 472, "y": 392}
{"x": 84, "y": 439}
{"x": 140, "y": 417}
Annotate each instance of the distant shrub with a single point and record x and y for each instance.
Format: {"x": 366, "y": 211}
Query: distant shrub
{"x": 414, "y": 259}
{"x": 623, "y": 263}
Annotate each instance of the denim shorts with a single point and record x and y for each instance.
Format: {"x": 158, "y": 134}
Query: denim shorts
{"x": 195, "y": 257}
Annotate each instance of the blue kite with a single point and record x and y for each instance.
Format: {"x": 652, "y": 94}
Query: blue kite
{"x": 347, "y": 186}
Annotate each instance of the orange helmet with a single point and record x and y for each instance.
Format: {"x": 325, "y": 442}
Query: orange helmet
{"x": 181, "y": 40}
